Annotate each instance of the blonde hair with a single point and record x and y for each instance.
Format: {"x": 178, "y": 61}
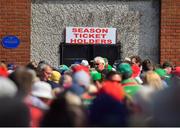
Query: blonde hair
{"x": 153, "y": 79}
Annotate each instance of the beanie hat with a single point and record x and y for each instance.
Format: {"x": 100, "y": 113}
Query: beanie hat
{"x": 42, "y": 89}
{"x": 124, "y": 68}
{"x": 55, "y": 76}
{"x": 113, "y": 89}
{"x": 7, "y": 87}
{"x": 161, "y": 72}
{"x": 96, "y": 75}
{"x": 62, "y": 68}
{"x": 77, "y": 68}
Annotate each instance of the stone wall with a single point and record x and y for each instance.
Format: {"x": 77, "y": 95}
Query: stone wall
{"x": 137, "y": 23}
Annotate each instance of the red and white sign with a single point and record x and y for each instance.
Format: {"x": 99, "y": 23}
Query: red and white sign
{"x": 90, "y": 35}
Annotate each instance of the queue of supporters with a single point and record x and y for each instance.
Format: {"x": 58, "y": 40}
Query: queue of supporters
{"x": 131, "y": 92}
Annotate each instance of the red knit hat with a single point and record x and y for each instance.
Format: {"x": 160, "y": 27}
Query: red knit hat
{"x": 3, "y": 72}
{"x": 113, "y": 89}
{"x": 79, "y": 68}
{"x": 136, "y": 71}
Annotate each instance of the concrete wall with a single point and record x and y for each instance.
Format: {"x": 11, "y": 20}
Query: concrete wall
{"x": 137, "y": 23}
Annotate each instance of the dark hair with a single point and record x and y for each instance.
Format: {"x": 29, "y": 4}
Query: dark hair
{"x": 147, "y": 65}
{"x": 106, "y": 111}
{"x": 166, "y": 64}
{"x": 126, "y": 75}
{"x": 138, "y": 59}
{"x": 32, "y": 65}
{"x": 62, "y": 113}
{"x": 111, "y": 74}
{"x": 23, "y": 80}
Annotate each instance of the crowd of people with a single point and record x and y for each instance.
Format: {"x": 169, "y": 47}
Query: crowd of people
{"x": 131, "y": 92}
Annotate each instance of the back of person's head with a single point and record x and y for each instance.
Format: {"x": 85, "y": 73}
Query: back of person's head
{"x": 110, "y": 75}
{"x": 13, "y": 113}
{"x": 126, "y": 70}
{"x": 23, "y": 80}
{"x": 153, "y": 79}
{"x": 147, "y": 65}
{"x": 66, "y": 110}
{"x": 32, "y": 65}
{"x": 107, "y": 111}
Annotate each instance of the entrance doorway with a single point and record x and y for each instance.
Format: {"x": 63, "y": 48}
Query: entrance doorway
{"x": 71, "y": 53}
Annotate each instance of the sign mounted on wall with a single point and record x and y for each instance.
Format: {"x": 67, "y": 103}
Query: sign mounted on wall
{"x": 10, "y": 42}
{"x": 90, "y": 35}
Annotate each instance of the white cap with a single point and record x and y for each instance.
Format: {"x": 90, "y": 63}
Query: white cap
{"x": 85, "y": 63}
{"x": 7, "y": 87}
{"x": 42, "y": 89}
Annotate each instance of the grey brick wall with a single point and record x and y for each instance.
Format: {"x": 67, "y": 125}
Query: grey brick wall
{"x": 137, "y": 23}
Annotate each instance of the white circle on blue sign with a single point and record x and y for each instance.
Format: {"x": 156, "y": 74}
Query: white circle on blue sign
{"x": 10, "y": 42}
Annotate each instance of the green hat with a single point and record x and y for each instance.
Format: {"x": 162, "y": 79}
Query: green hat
{"x": 161, "y": 72}
{"x": 124, "y": 68}
{"x": 109, "y": 67}
{"x": 96, "y": 75}
{"x": 131, "y": 90}
{"x": 63, "y": 68}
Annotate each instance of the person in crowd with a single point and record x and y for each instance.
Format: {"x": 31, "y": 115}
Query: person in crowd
{"x": 54, "y": 79}
{"x": 99, "y": 63}
{"x": 39, "y": 101}
{"x": 23, "y": 80}
{"x": 136, "y": 60}
{"x": 144, "y": 98}
{"x": 129, "y": 84}
{"x": 66, "y": 81}
{"x": 163, "y": 74}
{"x": 96, "y": 79}
{"x": 65, "y": 111}
{"x": 107, "y": 108}
{"x": 136, "y": 73}
{"x": 146, "y": 66}
{"x": 85, "y": 63}
{"x": 44, "y": 71}
{"x": 153, "y": 79}
{"x": 32, "y": 65}
{"x": 114, "y": 76}
{"x": 63, "y": 68}
{"x": 168, "y": 67}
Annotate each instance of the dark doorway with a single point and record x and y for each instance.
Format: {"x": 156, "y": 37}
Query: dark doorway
{"x": 71, "y": 53}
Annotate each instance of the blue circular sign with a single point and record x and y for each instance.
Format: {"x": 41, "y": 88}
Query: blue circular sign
{"x": 10, "y": 42}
